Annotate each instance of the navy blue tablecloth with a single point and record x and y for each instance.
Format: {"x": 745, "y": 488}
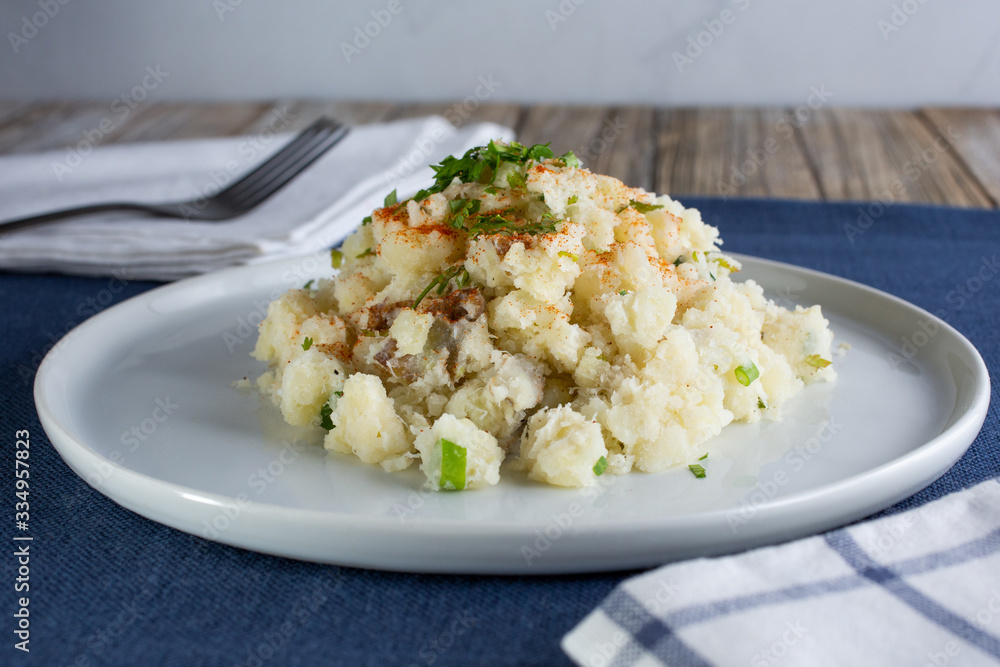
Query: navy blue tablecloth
{"x": 110, "y": 587}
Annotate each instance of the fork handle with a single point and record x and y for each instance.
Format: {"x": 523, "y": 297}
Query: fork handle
{"x": 33, "y": 220}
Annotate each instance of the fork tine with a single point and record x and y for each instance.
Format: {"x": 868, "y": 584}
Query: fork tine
{"x": 290, "y": 153}
{"x": 250, "y": 199}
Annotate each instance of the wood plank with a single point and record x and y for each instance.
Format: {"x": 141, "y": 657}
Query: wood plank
{"x": 975, "y": 135}
{"x": 786, "y": 170}
{"x": 461, "y": 112}
{"x": 863, "y": 154}
{"x": 676, "y": 151}
{"x": 624, "y": 146}
{"x": 927, "y": 163}
{"x": 567, "y": 128}
{"x": 55, "y": 125}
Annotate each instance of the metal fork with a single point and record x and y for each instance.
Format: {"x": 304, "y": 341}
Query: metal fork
{"x": 235, "y": 200}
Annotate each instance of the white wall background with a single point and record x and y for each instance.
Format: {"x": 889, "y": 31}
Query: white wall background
{"x": 865, "y": 52}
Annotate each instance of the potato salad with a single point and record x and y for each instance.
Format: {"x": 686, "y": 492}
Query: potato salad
{"x": 523, "y": 314}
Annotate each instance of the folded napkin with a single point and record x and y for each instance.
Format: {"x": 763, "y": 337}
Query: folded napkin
{"x": 316, "y": 210}
{"x": 916, "y": 588}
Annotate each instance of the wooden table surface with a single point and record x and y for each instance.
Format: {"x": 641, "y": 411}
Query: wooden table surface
{"x": 939, "y": 156}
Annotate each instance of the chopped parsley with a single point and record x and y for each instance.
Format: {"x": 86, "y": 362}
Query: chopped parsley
{"x": 336, "y": 258}
{"x": 307, "y": 343}
{"x": 570, "y": 159}
{"x": 696, "y": 468}
{"x": 760, "y": 404}
{"x": 600, "y": 466}
{"x": 817, "y": 361}
{"x": 324, "y": 417}
{"x": 461, "y": 209}
{"x": 623, "y": 292}
{"x": 367, "y": 253}
{"x": 515, "y": 180}
{"x": 480, "y": 164}
{"x": 505, "y": 222}
{"x": 746, "y": 374}
{"x": 456, "y": 273}
{"x": 391, "y": 199}
{"x": 642, "y": 207}
{"x": 452, "y": 466}
{"x": 338, "y": 394}
{"x": 308, "y": 284}
{"x": 367, "y": 220}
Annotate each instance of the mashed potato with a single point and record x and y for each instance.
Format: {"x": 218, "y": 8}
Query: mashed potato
{"x": 525, "y": 308}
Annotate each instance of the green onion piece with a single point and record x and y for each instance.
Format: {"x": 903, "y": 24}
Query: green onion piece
{"x": 600, "y": 466}
{"x": 367, "y": 253}
{"x": 817, "y": 361}
{"x": 307, "y": 343}
{"x": 563, "y": 253}
{"x": 698, "y": 471}
{"x": 367, "y": 220}
{"x": 571, "y": 159}
{"x": 572, "y": 200}
{"x": 336, "y": 258}
{"x": 704, "y": 457}
{"x": 746, "y": 374}
{"x": 308, "y": 284}
{"x": 390, "y": 199}
{"x": 324, "y": 416}
{"x": 489, "y": 189}
{"x": 721, "y": 261}
{"x": 642, "y": 207}
{"x": 452, "y": 466}
{"x": 760, "y": 404}
{"x": 515, "y": 180}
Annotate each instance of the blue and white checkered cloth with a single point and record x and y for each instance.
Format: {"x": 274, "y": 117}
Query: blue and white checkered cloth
{"x": 917, "y": 588}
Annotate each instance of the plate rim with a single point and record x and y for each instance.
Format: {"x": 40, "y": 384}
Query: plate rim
{"x": 948, "y": 446}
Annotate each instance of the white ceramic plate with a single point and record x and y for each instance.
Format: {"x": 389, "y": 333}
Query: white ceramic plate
{"x": 138, "y": 401}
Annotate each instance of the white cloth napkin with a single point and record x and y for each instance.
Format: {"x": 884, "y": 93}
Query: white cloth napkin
{"x": 917, "y": 588}
{"x": 316, "y": 210}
